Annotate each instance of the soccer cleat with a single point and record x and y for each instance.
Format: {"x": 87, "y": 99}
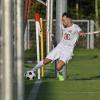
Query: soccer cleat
{"x": 60, "y": 77}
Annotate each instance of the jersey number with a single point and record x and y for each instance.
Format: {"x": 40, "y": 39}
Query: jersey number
{"x": 67, "y": 36}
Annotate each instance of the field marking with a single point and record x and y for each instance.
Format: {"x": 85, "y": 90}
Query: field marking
{"x": 81, "y": 92}
{"x": 34, "y": 91}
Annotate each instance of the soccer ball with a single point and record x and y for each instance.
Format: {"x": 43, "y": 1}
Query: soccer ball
{"x": 30, "y": 75}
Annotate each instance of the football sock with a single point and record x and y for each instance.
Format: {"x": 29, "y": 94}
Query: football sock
{"x": 39, "y": 65}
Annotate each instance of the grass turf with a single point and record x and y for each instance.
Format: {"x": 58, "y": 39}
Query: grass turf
{"x": 83, "y": 79}
{"x": 69, "y": 90}
{"x": 28, "y": 86}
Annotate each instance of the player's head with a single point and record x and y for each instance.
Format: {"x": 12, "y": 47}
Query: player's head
{"x": 66, "y": 19}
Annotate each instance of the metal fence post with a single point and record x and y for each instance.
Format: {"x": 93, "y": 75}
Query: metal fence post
{"x": 7, "y": 31}
{"x": 20, "y": 48}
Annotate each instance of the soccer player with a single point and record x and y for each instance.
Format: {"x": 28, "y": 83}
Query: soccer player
{"x": 64, "y": 50}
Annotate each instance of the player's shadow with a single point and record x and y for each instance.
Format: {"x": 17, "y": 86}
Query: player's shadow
{"x": 97, "y": 77}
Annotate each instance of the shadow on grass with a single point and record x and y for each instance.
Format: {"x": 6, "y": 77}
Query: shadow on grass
{"x": 97, "y": 77}
{"x": 28, "y": 87}
{"x": 45, "y": 92}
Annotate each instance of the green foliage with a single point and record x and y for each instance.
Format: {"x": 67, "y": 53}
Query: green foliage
{"x": 37, "y": 7}
{"x": 86, "y": 9}
{"x": 30, "y": 55}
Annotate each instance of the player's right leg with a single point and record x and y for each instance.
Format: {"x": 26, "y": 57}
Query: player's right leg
{"x": 50, "y": 57}
{"x": 41, "y": 63}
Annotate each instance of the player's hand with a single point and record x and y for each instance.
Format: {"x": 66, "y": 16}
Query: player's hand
{"x": 82, "y": 34}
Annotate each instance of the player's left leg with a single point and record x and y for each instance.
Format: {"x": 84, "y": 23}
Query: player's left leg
{"x": 59, "y": 68}
{"x": 64, "y": 58}
{"x": 60, "y": 65}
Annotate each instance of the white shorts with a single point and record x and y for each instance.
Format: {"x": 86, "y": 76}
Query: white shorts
{"x": 61, "y": 53}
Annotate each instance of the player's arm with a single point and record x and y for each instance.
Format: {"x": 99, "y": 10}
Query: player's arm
{"x": 82, "y": 34}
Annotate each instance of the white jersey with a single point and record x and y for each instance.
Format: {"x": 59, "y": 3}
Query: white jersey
{"x": 64, "y": 50}
{"x": 70, "y": 35}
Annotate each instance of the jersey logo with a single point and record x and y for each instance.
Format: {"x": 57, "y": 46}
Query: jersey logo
{"x": 67, "y": 36}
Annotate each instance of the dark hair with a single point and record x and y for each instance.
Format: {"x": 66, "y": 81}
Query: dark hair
{"x": 67, "y": 15}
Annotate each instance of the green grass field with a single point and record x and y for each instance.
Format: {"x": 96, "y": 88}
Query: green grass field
{"x": 83, "y": 79}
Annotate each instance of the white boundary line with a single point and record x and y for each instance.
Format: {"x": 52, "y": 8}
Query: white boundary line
{"x": 88, "y": 92}
{"x": 34, "y": 91}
